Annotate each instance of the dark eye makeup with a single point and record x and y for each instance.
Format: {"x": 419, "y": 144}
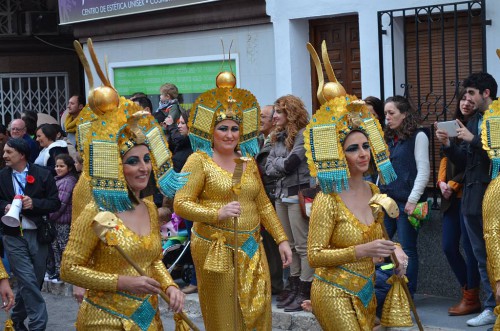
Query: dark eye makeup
{"x": 224, "y": 128}
{"x": 354, "y": 147}
{"x": 133, "y": 160}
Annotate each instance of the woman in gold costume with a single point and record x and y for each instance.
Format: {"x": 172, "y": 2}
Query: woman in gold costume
{"x": 208, "y": 199}
{"x": 491, "y": 208}
{"x": 124, "y": 146}
{"x": 345, "y": 233}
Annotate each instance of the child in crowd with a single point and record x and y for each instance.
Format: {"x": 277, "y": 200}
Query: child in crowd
{"x": 78, "y": 164}
{"x": 65, "y": 180}
{"x": 169, "y": 103}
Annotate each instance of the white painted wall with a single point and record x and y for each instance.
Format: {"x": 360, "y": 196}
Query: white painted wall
{"x": 292, "y": 63}
{"x": 254, "y": 46}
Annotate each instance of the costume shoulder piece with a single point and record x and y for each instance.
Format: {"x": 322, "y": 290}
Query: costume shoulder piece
{"x": 340, "y": 114}
{"x": 117, "y": 125}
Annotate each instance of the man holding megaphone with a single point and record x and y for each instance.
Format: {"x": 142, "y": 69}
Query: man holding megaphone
{"x": 28, "y": 193}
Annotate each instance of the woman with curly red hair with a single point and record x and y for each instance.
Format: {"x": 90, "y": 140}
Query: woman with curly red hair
{"x": 287, "y": 162}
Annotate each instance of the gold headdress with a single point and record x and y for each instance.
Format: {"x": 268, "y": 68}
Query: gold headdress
{"x": 338, "y": 116}
{"x": 490, "y": 136}
{"x": 118, "y": 124}
{"x": 225, "y": 102}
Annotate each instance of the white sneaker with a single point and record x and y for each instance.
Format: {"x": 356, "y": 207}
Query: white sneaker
{"x": 486, "y": 317}
{"x": 56, "y": 281}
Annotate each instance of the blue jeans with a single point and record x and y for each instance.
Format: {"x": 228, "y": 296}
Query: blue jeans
{"x": 407, "y": 236}
{"x": 474, "y": 226}
{"x": 466, "y": 271}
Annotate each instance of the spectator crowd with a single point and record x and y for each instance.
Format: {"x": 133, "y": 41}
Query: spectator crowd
{"x": 46, "y": 156}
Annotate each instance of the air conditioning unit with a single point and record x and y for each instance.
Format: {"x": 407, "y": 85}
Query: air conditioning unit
{"x": 39, "y": 23}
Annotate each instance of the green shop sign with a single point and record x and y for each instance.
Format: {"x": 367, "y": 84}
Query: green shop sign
{"x": 190, "y": 78}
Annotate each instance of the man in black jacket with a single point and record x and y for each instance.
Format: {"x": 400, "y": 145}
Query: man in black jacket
{"x": 37, "y": 189}
{"x": 481, "y": 90}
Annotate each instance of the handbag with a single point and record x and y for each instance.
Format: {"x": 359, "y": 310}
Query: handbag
{"x": 306, "y": 198}
{"x": 46, "y": 231}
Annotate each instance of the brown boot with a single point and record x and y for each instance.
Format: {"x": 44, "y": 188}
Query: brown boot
{"x": 304, "y": 294}
{"x": 286, "y": 291}
{"x": 293, "y": 282}
{"x": 469, "y": 304}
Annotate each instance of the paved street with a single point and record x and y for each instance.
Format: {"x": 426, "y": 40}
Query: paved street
{"x": 63, "y": 309}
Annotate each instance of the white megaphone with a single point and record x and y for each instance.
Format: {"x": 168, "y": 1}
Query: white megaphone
{"x": 12, "y": 218}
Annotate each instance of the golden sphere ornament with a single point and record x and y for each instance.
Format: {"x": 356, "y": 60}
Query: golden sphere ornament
{"x": 332, "y": 90}
{"x": 225, "y": 79}
{"x": 104, "y": 99}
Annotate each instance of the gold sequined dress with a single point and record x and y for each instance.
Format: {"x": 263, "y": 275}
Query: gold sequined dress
{"x": 491, "y": 228}
{"x": 342, "y": 293}
{"x": 89, "y": 263}
{"x": 207, "y": 190}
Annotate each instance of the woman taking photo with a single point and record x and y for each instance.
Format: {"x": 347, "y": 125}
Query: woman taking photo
{"x": 409, "y": 150}
{"x": 287, "y": 163}
{"x": 208, "y": 199}
{"x": 46, "y": 136}
{"x": 450, "y": 182}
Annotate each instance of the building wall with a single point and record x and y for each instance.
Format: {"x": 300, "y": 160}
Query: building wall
{"x": 290, "y": 19}
{"x": 253, "y": 44}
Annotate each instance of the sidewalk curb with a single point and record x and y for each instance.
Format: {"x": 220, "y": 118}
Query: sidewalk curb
{"x": 300, "y": 321}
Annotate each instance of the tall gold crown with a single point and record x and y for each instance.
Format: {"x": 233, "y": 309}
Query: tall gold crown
{"x": 338, "y": 116}
{"x": 118, "y": 124}
{"x": 225, "y": 102}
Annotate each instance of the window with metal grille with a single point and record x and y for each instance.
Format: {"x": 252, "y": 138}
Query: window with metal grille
{"x": 43, "y": 92}
{"x": 425, "y": 53}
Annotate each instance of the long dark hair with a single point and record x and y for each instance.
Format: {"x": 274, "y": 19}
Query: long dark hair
{"x": 410, "y": 123}
{"x": 458, "y": 112}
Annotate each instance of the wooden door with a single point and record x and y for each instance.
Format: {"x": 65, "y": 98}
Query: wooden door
{"x": 342, "y": 41}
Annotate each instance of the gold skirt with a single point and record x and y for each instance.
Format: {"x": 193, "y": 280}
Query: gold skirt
{"x": 337, "y": 310}
{"x": 216, "y": 288}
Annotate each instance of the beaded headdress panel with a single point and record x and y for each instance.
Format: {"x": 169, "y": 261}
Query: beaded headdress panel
{"x": 339, "y": 115}
{"x": 490, "y": 134}
{"x": 225, "y": 102}
{"x": 117, "y": 125}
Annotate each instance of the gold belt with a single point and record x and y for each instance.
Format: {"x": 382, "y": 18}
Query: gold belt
{"x": 219, "y": 257}
{"x": 351, "y": 282}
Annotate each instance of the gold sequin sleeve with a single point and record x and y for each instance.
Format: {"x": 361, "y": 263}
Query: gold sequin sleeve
{"x": 491, "y": 219}
{"x": 159, "y": 271}
{"x": 267, "y": 213}
{"x": 3, "y": 272}
{"x": 321, "y": 226}
{"x": 78, "y": 252}
{"x": 186, "y": 202}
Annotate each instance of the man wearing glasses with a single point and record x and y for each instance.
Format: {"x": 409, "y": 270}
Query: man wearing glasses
{"x": 18, "y": 130}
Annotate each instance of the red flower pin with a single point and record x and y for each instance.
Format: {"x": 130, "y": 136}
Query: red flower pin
{"x": 30, "y": 179}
